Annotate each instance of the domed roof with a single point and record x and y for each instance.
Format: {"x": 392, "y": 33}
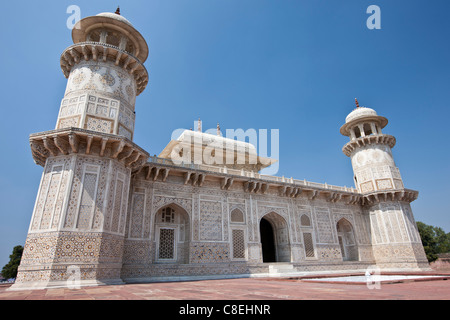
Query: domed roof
{"x": 114, "y": 16}
{"x": 208, "y": 139}
{"x": 117, "y": 22}
{"x": 360, "y": 112}
{"x": 196, "y": 140}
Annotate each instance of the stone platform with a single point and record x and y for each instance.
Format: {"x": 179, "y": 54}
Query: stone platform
{"x": 244, "y": 289}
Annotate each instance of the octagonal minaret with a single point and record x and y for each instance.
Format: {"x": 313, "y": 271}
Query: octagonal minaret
{"x": 396, "y": 242}
{"x": 370, "y": 151}
{"x": 77, "y": 229}
{"x": 105, "y": 73}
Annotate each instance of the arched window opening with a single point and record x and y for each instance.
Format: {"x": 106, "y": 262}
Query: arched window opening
{"x": 357, "y": 132}
{"x": 305, "y": 221}
{"x": 307, "y": 235}
{"x": 378, "y": 129}
{"x": 94, "y": 36}
{"x": 113, "y": 38}
{"x": 367, "y": 129}
{"x": 237, "y": 216}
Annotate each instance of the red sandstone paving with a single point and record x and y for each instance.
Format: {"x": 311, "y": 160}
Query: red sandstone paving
{"x": 241, "y": 289}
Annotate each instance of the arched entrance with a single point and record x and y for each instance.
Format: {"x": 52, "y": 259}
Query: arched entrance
{"x": 267, "y": 241}
{"x": 275, "y": 245}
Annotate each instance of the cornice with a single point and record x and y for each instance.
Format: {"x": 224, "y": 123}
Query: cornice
{"x": 406, "y": 195}
{"x": 152, "y": 171}
{"x": 80, "y": 141}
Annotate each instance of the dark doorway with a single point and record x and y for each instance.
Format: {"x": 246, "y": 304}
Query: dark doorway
{"x": 267, "y": 241}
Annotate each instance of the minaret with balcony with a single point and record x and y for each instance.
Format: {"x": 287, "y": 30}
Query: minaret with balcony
{"x": 76, "y": 234}
{"x": 395, "y": 239}
{"x": 370, "y": 151}
{"x": 105, "y": 73}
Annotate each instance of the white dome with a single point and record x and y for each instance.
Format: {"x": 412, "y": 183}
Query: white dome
{"x": 360, "y": 112}
{"x": 114, "y": 16}
{"x": 216, "y": 141}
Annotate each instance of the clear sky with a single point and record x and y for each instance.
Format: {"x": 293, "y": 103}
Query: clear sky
{"x": 291, "y": 65}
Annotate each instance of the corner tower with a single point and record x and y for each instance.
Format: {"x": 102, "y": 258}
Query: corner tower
{"x": 395, "y": 239}
{"x": 78, "y": 223}
{"x": 370, "y": 151}
{"x": 105, "y": 73}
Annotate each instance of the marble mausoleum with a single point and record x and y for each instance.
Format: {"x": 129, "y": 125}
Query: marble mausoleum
{"x": 107, "y": 212}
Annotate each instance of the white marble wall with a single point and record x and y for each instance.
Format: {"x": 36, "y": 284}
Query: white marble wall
{"x": 100, "y": 97}
{"x": 375, "y": 169}
{"x": 211, "y": 228}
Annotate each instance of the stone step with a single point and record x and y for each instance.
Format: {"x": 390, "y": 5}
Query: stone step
{"x": 281, "y": 268}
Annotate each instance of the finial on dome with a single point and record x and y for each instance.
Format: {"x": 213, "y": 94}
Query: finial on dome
{"x": 357, "y": 103}
{"x": 218, "y": 130}
{"x": 199, "y": 125}
{"x": 118, "y": 10}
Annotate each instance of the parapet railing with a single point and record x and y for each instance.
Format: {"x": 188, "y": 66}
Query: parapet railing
{"x": 249, "y": 174}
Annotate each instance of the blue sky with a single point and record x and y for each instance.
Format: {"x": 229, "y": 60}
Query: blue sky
{"x": 291, "y": 65}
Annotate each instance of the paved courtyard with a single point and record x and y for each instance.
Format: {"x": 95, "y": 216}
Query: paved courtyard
{"x": 242, "y": 289}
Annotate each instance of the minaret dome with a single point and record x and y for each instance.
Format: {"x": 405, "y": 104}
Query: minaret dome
{"x": 363, "y": 121}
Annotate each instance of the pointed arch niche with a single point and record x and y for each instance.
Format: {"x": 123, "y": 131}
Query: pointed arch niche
{"x": 347, "y": 240}
{"x": 308, "y": 236}
{"x": 171, "y": 235}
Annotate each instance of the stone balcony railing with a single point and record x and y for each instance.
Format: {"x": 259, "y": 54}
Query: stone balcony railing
{"x": 251, "y": 174}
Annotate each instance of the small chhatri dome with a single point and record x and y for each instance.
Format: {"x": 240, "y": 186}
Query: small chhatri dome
{"x": 360, "y": 114}
{"x": 117, "y": 28}
{"x": 115, "y": 16}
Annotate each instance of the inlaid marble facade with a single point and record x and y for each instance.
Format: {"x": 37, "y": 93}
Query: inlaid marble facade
{"x": 107, "y": 209}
